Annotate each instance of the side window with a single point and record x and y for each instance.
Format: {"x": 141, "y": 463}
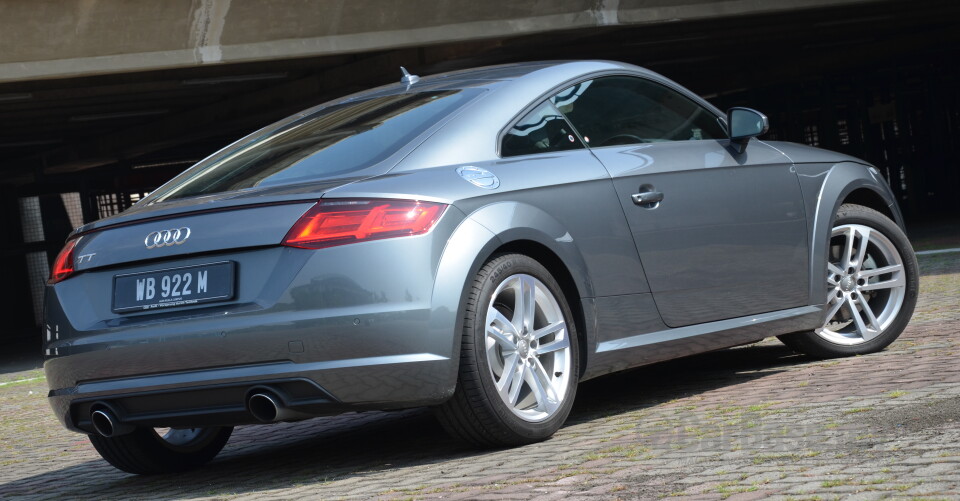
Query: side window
{"x": 627, "y": 110}
{"x": 541, "y": 131}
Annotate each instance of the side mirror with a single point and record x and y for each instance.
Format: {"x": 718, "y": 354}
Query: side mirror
{"x": 744, "y": 123}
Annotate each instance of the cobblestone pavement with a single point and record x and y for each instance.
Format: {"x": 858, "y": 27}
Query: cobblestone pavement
{"x": 746, "y": 423}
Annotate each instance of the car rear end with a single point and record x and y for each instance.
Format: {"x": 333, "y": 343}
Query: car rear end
{"x": 184, "y": 332}
{"x": 238, "y": 279}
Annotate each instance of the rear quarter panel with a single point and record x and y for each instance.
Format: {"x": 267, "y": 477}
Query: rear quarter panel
{"x": 563, "y": 202}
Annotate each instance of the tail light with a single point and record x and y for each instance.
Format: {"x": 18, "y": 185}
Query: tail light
{"x": 330, "y": 223}
{"x": 63, "y": 267}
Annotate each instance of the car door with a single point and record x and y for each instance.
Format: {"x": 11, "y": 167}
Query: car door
{"x": 544, "y": 165}
{"x": 720, "y": 234}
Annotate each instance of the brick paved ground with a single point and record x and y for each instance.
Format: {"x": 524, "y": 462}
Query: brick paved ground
{"x": 747, "y": 423}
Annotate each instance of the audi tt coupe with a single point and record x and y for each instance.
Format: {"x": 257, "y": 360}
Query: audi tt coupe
{"x": 478, "y": 242}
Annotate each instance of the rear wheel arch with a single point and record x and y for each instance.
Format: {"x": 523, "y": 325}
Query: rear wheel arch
{"x": 499, "y": 338}
{"x": 493, "y": 229}
{"x": 471, "y": 246}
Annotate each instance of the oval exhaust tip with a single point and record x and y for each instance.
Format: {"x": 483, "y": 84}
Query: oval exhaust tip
{"x": 103, "y": 422}
{"x": 106, "y": 423}
{"x": 264, "y": 407}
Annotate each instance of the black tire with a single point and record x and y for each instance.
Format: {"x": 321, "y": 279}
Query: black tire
{"x": 813, "y": 344}
{"x": 145, "y": 452}
{"x": 476, "y": 413}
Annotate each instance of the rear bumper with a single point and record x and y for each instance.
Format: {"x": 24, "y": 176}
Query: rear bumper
{"x": 219, "y": 396}
{"x": 200, "y": 371}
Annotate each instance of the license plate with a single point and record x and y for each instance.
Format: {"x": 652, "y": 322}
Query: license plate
{"x": 188, "y": 285}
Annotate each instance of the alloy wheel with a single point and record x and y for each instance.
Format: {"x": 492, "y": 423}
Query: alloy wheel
{"x": 527, "y": 348}
{"x": 866, "y": 285}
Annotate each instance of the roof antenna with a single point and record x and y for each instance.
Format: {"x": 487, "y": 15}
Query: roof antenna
{"x": 408, "y": 79}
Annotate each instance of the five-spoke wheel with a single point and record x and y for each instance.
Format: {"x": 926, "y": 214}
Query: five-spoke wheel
{"x": 871, "y": 278}
{"x": 518, "y": 359}
{"x": 527, "y": 347}
{"x": 867, "y": 285}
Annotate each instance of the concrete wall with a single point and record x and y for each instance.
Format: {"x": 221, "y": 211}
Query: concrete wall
{"x": 61, "y": 38}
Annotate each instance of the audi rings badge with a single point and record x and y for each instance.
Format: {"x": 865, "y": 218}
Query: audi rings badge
{"x": 167, "y": 238}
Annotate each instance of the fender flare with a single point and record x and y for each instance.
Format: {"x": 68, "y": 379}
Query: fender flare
{"x": 840, "y": 181}
{"x": 472, "y": 244}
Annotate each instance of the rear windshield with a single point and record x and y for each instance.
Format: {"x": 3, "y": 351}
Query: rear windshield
{"x": 333, "y": 142}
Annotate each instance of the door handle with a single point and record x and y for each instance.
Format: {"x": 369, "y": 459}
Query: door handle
{"x": 647, "y": 199}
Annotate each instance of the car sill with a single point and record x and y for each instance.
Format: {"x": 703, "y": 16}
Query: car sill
{"x": 704, "y": 329}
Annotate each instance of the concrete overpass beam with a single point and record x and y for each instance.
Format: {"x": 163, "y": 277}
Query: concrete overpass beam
{"x": 55, "y": 39}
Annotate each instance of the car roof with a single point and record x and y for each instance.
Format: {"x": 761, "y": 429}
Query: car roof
{"x": 500, "y": 77}
{"x": 511, "y": 91}
{"x": 505, "y": 91}
{"x": 490, "y": 77}
{"x": 489, "y": 74}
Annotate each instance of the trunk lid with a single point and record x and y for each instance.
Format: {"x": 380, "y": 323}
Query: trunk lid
{"x": 225, "y": 221}
{"x": 189, "y": 233}
{"x": 272, "y": 195}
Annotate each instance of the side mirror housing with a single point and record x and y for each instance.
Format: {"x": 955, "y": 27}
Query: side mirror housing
{"x": 744, "y": 123}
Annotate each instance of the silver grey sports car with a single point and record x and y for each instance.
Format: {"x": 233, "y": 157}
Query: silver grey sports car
{"x": 478, "y": 241}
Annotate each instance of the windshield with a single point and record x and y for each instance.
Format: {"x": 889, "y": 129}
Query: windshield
{"x": 335, "y": 141}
